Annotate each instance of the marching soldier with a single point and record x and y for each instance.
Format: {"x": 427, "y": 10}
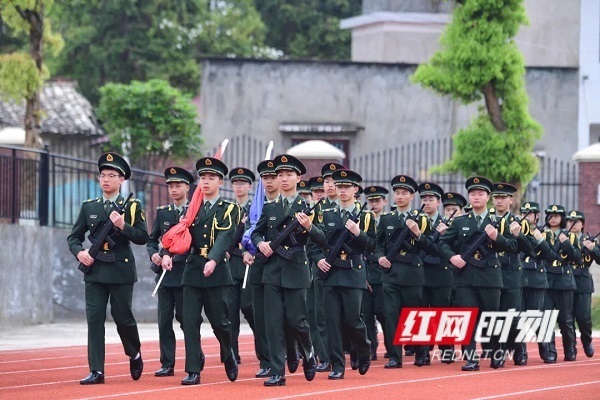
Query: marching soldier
{"x": 536, "y": 282}
{"x": 286, "y": 274}
{"x": 513, "y": 276}
{"x": 437, "y": 288}
{"x": 345, "y": 277}
{"x": 454, "y": 204}
{"x": 112, "y": 273}
{"x": 170, "y": 292}
{"x": 304, "y": 190}
{"x": 404, "y": 276}
{"x": 372, "y": 301}
{"x": 206, "y": 277}
{"x": 324, "y": 182}
{"x": 479, "y": 281}
{"x": 317, "y": 191}
{"x": 561, "y": 283}
{"x": 582, "y": 301}
{"x": 240, "y": 299}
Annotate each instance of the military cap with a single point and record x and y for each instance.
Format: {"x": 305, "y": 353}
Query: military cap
{"x": 288, "y": 162}
{"x": 116, "y": 162}
{"x": 479, "y": 182}
{"x": 430, "y": 189}
{"x": 266, "y": 167}
{"x": 178, "y": 174}
{"x": 454, "y": 198}
{"x": 468, "y": 207}
{"x": 346, "y": 177}
{"x": 503, "y": 189}
{"x": 316, "y": 183}
{"x": 405, "y": 182}
{"x": 303, "y": 187}
{"x": 375, "y": 192}
{"x": 555, "y": 209}
{"x": 242, "y": 174}
{"x": 530, "y": 205}
{"x": 327, "y": 169}
{"x": 576, "y": 215}
{"x": 211, "y": 165}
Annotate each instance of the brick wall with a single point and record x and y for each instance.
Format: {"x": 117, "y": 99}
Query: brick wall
{"x": 589, "y": 179}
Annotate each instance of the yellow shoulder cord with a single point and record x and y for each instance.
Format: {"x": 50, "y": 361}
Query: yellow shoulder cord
{"x": 525, "y": 228}
{"x": 367, "y": 221}
{"x": 132, "y": 210}
{"x": 502, "y": 225}
{"x": 423, "y": 226}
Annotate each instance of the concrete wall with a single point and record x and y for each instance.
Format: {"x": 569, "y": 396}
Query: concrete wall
{"x": 410, "y": 32}
{"x": 253, "y": 97}
{"x": 39, "y": 280}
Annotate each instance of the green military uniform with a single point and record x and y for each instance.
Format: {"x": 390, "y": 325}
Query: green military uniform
{"x": 561, "y": 287}
{"x": 346, "y": 280}
{"x": 319, "y": 331}
{"x": 212, "y": 232}
{"x": 453, "y": 199}
{"x": 437, "y": 288}
{"x": 113, "y": 272}
{"x": 535, "y": 273}
{"x": 403, "y": 282}
{"x": 170, "y": 292}
{"x": 479, "y": 282}
{"x": 513, "y": 276}
{"x": 240, "y": 298}
{"x": 372, "y": 300}
{"x": 286, "y": 277}
{"x": 582, "y": 299}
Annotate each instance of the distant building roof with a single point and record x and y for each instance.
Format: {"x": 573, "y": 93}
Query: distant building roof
{"x": 65, "y": 112}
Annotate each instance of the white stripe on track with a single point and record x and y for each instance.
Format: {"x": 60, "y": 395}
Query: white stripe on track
{"x": 537, "y": 390}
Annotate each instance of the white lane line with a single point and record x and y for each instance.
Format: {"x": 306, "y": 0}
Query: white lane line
{"x": 463, "y": 375}
{"x": 113, "y": 363}
{"x": 537, "y": 390}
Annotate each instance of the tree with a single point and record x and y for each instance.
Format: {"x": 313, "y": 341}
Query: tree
{"x": 309, "y": 28}
{"x": 126, "y": 40}
{"x": 150, "y": 121}
{"x": 22, "y": 75}
{"x": 480, "y": 61}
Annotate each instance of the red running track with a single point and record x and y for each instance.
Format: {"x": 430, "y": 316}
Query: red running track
{"x": 54, "y": 373}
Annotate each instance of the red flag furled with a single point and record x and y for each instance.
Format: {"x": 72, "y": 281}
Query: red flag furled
{"x": 178, "y": 239}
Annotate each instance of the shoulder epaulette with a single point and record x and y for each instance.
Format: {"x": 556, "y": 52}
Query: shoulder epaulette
{"x": 268, "y": 202}
{"x": 91, "y": 200}
{"x": 329, "y": 209}
{"x": 163, "y": 207}
{"x": 387, "y": 213}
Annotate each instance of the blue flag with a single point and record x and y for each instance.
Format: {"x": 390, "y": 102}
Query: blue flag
{"x": 255, "y": 211}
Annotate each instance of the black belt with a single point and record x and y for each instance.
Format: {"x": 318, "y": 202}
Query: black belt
{"x": 406, "y": 258}
{"x": 507, "y": 259}
{"x": 348, "y": 261}
{"x": 432, "y": 260}
{"x": 555, "y": 268}
{"x": 203, "y": 251}
{"x": 288, "y": 252}
{"x": 481, "y": 262}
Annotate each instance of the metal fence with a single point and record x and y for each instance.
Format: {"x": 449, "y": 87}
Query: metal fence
{"x": 556, "y": 181}
{"x": 37, "y": 186}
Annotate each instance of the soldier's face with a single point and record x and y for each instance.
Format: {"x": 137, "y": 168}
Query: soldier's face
{"x": 403, "y": 197}
{"x": 376, "y": 205}
{"x": 532, "y": 217}
{"x": 431, "y": 204}
{"x": 450, "y": 208}
{"x": 306, "y": 196}
{"x": 554, "y": 220}
{"x": 576, "y": 224}
{"x": 478, "y": 198}
{"x": 210, "y": 183}
{"x": 329, "y": 187}
{"x": 178, "y": 190}
{"x": 317, "y": 194}
{"x": 271, "y": 184}
{"x": 110, "y": 180}
{"x": 502, "y": 203}
{"x": 346, "y": 192}
{"x": 288, "y": 179}
{"x": 241, "y": 188}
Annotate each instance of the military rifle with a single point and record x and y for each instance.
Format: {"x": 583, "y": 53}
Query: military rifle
{"x": 340, "y": 242}
{"x": 436, "y": 234}
{"x": 103, "y": 236}
{"x": 289, "y": 229}
{"x": 404, "y": 235}
{"x": 585, "y": 251}
{"x": 479, "y": 241}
